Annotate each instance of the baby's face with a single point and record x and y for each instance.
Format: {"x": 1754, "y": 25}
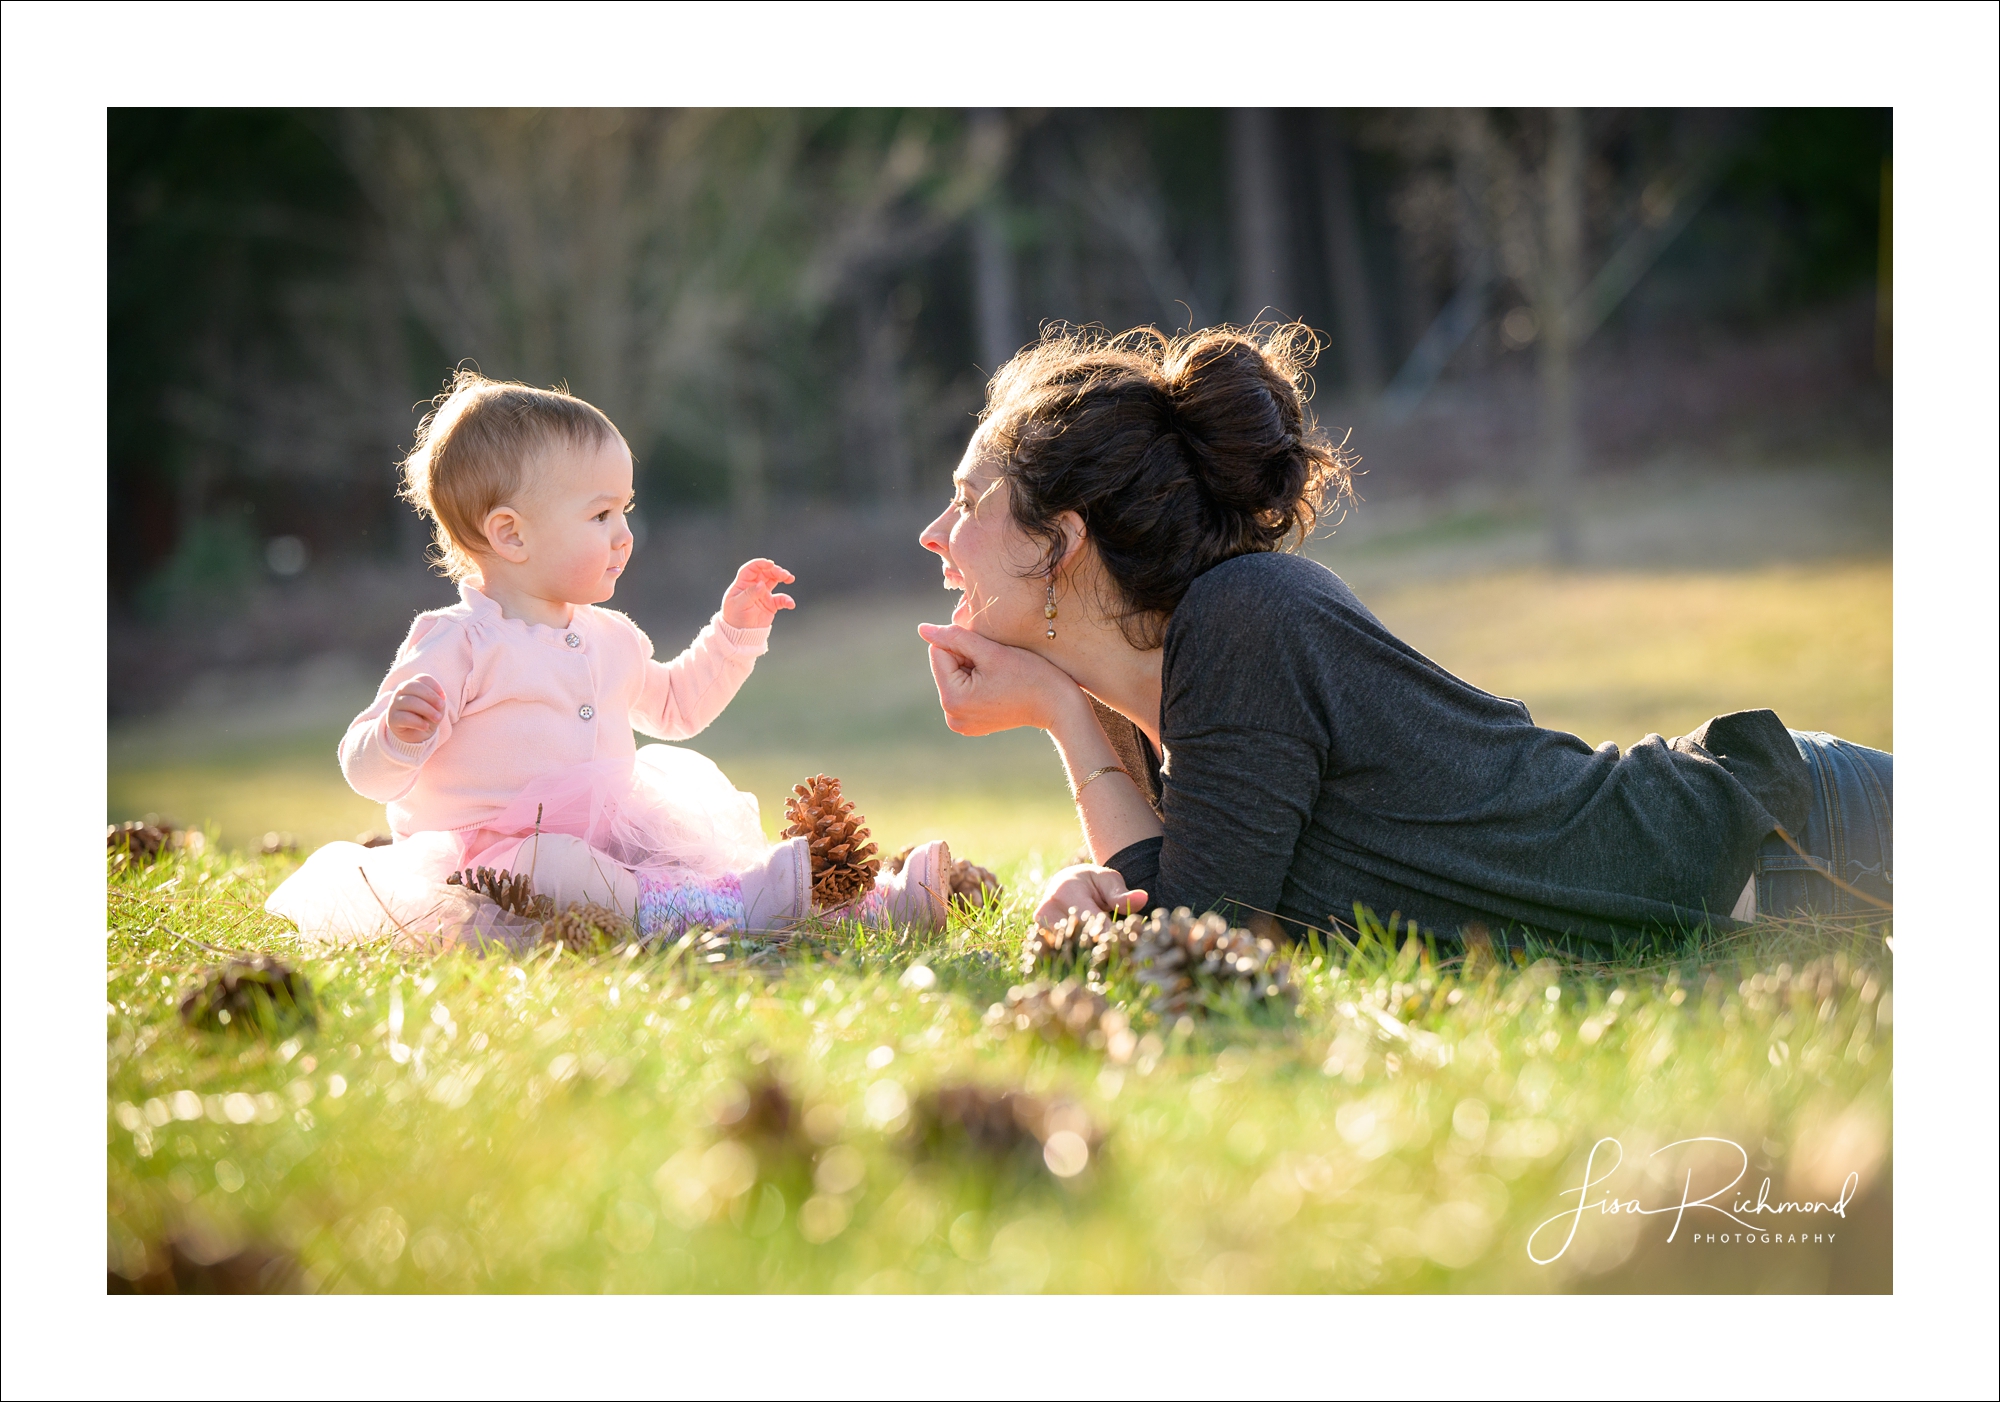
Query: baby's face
{"x": 573, "y": 522}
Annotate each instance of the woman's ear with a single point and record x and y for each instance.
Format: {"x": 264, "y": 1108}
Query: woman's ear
{"x": 1074, "y": 536}
{"x": 502, "y": 527}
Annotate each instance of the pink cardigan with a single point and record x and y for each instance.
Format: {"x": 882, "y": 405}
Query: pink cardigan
{"x": 524, "y": 701}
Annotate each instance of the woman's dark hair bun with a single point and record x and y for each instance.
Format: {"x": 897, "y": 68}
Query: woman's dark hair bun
{"x": 1241, "y": 407}
{"x": 1178, "y": 452}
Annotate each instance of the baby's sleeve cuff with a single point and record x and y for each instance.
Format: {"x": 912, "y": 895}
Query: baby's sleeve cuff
{"x": 401, "y": 751}
{"x": 754, "y": 641}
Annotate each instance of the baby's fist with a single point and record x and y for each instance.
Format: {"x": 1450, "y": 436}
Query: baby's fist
{"x": 750, "y": 602}
{"x": 416, "y": 710}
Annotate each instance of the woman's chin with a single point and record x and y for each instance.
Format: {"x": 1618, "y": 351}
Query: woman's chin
{"x": 961, "y": 614}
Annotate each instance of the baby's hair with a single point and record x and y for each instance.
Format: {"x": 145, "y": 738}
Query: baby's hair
{"x": 473, "y": 449}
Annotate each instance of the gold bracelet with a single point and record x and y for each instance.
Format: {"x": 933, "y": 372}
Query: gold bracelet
{"x": 1076, "y": 794}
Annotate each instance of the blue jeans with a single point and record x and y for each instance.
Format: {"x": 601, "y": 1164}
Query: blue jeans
{"x": 1848, "y": 835}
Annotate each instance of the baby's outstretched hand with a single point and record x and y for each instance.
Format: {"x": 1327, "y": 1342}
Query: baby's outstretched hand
{"x": 749, "y": 603}
{"x": 416, "y": 710}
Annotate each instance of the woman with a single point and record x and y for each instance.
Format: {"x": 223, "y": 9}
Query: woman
{"x": 1240, "y": 733}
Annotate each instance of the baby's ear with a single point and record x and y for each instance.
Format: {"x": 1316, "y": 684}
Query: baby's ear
{"x": 502, "y": 528}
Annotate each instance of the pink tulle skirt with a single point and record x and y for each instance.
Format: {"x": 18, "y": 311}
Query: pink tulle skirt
{"x": 669, "y": 812}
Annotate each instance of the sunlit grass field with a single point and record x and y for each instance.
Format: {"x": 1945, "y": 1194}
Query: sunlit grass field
{"x": 560, "y": 1121}
{"x": 555, "y": 1122}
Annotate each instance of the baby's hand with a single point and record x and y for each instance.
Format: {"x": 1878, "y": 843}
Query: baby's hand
{"x": 750, "y": 602}
{"x": 416, "y": 710}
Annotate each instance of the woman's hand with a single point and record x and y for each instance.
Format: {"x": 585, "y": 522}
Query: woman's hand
{"x": 749, "y": 602}
{"x": 985, "y": 686}
{"x": 1087, "y": 890}
{"x": 416, "y": 710}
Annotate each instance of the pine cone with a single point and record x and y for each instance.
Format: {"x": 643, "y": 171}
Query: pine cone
{"x": 764, "y": 1111}
{"x": 1191, "y": 961}
{"x": 372, "y": 838}
{"x": 1092, "y": 938}
{"x": 253, "y": 994}
{"x": 970, "y": 885}
{"x": 142, "y": 840}
{"x": 1005, "y": 1126}
{"x": 764, "y": 1117}
{"x": 586, "y": 928}
{"x": 511, "y": 891}
{"x": 146, "y": 839}
{"x": 973, "y": 886}
{"x": 1066, "y": 1010}
{"x": 844, "y": 862}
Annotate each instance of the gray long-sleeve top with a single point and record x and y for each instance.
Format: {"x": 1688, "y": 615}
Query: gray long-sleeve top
{"x": 1313, "y": 761}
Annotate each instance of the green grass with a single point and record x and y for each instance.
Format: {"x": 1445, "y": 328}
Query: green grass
{"x": 1614, "y": 655}
{"x": 547, "y": 1123}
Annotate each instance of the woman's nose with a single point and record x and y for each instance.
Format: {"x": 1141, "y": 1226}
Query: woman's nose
{"x": 935, "y": 534}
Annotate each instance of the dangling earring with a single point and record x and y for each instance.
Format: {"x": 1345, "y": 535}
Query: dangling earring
{"x": 1049, "y": 610}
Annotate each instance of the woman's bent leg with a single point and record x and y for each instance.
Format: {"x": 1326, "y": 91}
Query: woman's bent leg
{"x": 1849, "y": 835}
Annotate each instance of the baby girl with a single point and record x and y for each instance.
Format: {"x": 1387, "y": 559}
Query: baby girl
{"x": 502, "y": 736}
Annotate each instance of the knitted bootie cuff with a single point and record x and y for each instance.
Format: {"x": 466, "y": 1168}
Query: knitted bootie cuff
{"x": 669, "y": 909}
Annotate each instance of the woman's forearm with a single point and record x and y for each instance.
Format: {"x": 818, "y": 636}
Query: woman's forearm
{"x": 1112, "y": 811}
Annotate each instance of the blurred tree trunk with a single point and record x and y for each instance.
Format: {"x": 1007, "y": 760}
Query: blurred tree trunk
{"x": 1557, "y": 287}
{"x": 1259, "y": 213}
{"x": 1472, "y": 179}
{"x": 993, "y": 287}
{"x": 878, "y": 446}
{"x": 1353, "y": 309}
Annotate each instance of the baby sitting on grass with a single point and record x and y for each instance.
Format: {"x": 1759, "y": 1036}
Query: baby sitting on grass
{"x": 502, "y": 736}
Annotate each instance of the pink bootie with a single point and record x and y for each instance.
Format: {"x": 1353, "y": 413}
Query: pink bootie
{"x": 916, "y": 896}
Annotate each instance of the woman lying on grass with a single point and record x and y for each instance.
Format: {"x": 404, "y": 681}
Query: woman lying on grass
{"x": 1242, "y": 734}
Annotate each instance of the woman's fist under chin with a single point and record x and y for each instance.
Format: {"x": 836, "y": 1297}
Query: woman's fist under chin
{"x": 984, "y": 686}
{"x": 1087, "y": 890}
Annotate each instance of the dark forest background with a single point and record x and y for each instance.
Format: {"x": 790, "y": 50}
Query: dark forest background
{"x": 792, "y": 314}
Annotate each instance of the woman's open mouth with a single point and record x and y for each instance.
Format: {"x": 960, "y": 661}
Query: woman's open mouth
{"x": 961, "y": 613}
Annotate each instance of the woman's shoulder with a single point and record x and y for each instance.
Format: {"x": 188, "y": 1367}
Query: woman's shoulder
{"x": 1267, "y": 585}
